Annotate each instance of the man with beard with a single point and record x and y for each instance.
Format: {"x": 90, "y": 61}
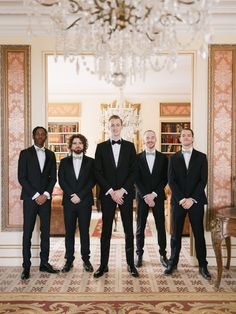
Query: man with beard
{"x": 150, "y": 182}
{"x": 77, "y": 180}
{"x": 37, "y": 176}
{"x": 115, "y": 171}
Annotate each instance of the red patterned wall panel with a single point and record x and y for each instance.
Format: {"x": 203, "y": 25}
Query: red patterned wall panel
{"x": 15, "y": 135}
{"x": 221, "y": 135}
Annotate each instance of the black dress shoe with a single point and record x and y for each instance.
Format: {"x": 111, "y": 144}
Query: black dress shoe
{"x": 88, "y": 266}
{"x": 25, "y": 274}
{"x": 170, "y": 269}
{"x": 48, "y": 268}
{"x": 100, "y": 271}
{"x": 205, "y": 273}
{"x": 133, "y": 271}
{"x": 67, "y": 267}
{"x": 164, "y": 261}
{"x": 139, "y": 261}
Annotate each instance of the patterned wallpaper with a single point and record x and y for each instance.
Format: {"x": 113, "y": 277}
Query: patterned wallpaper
{"x": 16, "y": 114}
{"x": 221, "y": 126}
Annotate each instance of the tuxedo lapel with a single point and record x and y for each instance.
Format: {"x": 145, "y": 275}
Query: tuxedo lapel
{"x": 82, "y": 168}
{"x": 144, "y": 162}
{"x": 109, "y": 153}
{"x": 70, "y": 166}
{"x": 156, "y": 161}
{"x": 192, "y": 159}
{"x": 47, "y": 157}
{"x": 181, "y": 161}
{"x": 35, "y": 159}
{"x": 121, "y": 154}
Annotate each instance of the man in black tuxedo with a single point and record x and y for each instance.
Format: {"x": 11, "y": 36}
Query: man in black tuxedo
{"x": 150, "y": 182}
{"x": 115, "y": 171}
{"x": 37, "y": 176}
{"x": 187, "y": 177}
{"x": 76, "y": 178}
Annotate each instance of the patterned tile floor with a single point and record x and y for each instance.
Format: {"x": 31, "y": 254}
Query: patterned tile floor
{"x": 117, "y": 280}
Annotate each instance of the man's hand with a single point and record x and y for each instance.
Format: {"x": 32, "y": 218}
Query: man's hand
{"x": 186, "y": 203}
{"x": 118, "y": 196}
{"x": 41, "y": 199}
{"x": 149, "y": 199}
{"x": 75, "y": 198}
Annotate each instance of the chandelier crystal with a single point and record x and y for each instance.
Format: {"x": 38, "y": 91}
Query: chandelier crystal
{"x": 128, "y": 112}
{"x": 126, "y": 37}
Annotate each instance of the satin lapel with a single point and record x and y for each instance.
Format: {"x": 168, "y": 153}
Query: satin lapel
{"x": 122, "y": 154}
{"x": 82, "y": 168}
{"x": 181, "y": 160}
{"x": 191, "y": 161}
{"x": 155, "y": 163}
{"x": 71, "y": 166}
{"x": 35, "y": 158}
{"x": 144, "y": 162}
{"x": 47, "y": 157}
{"x": 109, "y": 152}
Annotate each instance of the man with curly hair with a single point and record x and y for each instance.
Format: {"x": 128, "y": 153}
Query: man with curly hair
{"x": 77, "y": 180}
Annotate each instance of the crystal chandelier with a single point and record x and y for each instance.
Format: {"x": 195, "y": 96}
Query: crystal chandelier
{"x": 126, "y": 37}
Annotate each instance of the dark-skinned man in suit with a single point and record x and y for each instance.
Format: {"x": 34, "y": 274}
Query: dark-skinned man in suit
{"x": 37, "y": 176}
{"x": 115, "y": 171}
{"x": 76, "y": 178}
{"x": 150, "y": 182}
{"x": 187, "y": 178}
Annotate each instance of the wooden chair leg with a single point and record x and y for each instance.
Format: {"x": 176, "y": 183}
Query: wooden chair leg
{"x": 218, "y": 253}
{"x": 228, "y": 248}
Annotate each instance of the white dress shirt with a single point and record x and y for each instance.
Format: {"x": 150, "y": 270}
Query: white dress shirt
{"x": 187, "y": 155}
{"x": 40, "y": 151}
{"x": 116, "y": 154}
{"x": 150, "y": 156}
{"x": 77, "y": 161}
{"x": 116, "y": 151}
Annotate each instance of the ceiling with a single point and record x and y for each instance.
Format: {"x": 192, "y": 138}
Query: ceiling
{"x": 14, "y": 22}
{"x": 13, "y": 17}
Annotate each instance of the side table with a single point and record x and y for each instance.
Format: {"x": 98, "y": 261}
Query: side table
{"x": 223, "y": 226}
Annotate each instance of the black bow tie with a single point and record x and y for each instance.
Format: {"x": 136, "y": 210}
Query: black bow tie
{"x": 116, "y": 142}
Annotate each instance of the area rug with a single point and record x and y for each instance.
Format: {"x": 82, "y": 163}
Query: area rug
{"x": 152, "y": 280}
{"x": 118, "y": 232}
{"x": 78, "y": 292}
{"x": 171, "y": 303}
{"x": 118, "y": 280}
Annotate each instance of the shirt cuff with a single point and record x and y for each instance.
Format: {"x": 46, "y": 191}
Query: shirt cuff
{"x": 47, "y": 194}
{"x": 124, "y": 190}
{"x": 155, "y": 194}
{"x": 35, "y": 196}
{"x": 109, "y": 191}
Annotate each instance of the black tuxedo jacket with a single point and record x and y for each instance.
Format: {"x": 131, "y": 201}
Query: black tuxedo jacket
{"x": 189, "y": 182}
{"x": 108, "y": 175}
{"x": 81, "y": 186}
{"x": 147, "y": 182}
{"x": 30, "y": 176}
